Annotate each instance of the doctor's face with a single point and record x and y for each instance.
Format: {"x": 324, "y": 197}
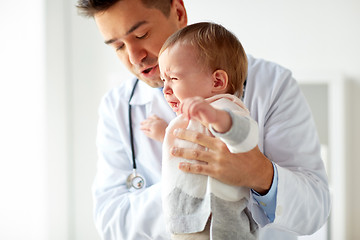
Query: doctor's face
{"x": 184, "y": 75}
{"x": 137, "y": 33}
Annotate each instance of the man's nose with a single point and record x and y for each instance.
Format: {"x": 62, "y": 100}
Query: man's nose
{"x": 136, "y": 54}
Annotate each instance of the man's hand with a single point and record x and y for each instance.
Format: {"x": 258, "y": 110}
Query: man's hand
{"x": 251, "y": 169}
{"x": 154, "y": 127}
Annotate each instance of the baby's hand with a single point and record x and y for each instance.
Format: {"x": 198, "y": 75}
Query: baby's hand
{"x": 199, "y": 109}
{"x": 154, "y": 127}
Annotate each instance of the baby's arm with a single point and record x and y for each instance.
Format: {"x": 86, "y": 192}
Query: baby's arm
{"x": 199, "y": 109}
{"x": 154, "y": 127}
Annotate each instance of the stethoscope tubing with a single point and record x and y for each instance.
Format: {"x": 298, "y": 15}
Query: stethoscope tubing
{"x": 131, "y": 128}
{"x": 134, "y": 180}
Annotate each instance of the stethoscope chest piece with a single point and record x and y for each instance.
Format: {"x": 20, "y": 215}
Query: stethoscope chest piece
{"x": 135, "y": 181}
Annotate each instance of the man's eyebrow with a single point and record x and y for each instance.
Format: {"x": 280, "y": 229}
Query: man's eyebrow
{"x": 133, "y": 28}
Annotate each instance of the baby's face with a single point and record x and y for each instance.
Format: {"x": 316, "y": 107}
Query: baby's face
{"x": 183, "y": 75}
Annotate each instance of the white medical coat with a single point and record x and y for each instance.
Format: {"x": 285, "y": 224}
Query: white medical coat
{"x": 287, "y": 136}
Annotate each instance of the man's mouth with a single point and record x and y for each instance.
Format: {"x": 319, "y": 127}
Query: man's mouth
{"x": 149, "y": 71}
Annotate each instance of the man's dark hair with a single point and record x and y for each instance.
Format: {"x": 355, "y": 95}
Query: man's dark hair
{"x": 89, "y": 8}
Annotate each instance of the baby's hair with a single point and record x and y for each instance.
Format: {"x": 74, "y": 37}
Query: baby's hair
{"x": 218, "y": 49}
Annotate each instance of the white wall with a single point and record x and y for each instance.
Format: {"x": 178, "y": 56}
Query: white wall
{"x": 305, "y": 36}
{"x": 59, "y": 134}
{"x": 23, "y": 173}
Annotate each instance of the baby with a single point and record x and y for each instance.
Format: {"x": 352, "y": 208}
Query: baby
{"x": 204, "y": 68}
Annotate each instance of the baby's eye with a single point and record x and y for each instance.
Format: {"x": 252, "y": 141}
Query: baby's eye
{"x": 174, "y": 78}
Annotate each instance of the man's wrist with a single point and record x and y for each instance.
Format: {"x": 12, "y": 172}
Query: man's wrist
{"x": 265, "y": 177}
{"x": 268, "y": 201}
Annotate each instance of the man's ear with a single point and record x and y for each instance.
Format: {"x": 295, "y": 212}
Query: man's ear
{"x": 220, "y": 81}
{"x": 180, "y": 11}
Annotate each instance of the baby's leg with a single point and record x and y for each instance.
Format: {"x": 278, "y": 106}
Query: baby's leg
{"x": 204, "y": 235}
{"x": 232, "y": 220}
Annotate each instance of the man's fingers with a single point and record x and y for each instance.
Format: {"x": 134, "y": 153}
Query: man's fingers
{"x": 194, "y": 168}
{"x": 192, "y": 154}
{"x": 196, "y": 137}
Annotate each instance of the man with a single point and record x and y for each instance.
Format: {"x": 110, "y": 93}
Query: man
{"x": 289, "y": 188}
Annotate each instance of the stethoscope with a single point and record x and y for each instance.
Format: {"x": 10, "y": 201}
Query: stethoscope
{"x": 134, "y": 181}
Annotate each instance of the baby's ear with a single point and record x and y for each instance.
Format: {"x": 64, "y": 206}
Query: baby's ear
{"x": 220, "y": 81}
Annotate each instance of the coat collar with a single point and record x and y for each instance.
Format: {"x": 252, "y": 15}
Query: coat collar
{"x": 143, "y": 94}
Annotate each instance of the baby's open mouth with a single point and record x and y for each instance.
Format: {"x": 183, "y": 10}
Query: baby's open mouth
{"x": 174, "y": 104}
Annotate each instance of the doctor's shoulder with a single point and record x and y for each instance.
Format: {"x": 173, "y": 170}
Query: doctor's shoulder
{"x": 267, "y": 74}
